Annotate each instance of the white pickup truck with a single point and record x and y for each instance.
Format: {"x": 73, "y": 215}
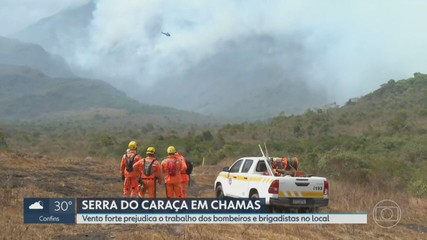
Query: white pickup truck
{"x": 253, "y": 177}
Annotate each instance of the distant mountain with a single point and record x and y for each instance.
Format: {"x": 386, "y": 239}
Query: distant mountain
{"x": 61, "y": 33}
{"x": 246, "y": 78}
{"x": 28, "y": 94}
{"x": 14, "y": 52}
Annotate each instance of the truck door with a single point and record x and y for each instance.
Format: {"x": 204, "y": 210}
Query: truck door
{"x": 234, "y": 181}
{"x": 244, "y": 181}
{"x": 238, "y": 178}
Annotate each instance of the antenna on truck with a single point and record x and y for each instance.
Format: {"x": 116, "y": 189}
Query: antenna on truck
{"x": 260, "y": 148}
{"x": 268, "y": 164}
{"x": 266, "y": 150}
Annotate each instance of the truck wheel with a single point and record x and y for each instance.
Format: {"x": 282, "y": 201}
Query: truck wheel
{"x": 254, "y": 195}
{"x": 219, "y": 192}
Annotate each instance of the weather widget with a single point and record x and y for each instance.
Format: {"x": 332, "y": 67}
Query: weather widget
{"x": 49, "y": 210}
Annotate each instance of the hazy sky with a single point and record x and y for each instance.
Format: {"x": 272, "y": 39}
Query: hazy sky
{"x": 17, "y": 14}
{"x": 352, "y": 46}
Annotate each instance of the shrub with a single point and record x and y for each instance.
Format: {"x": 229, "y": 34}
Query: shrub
{"x": 418, "y": 187}
{"x": 344, "y": 165}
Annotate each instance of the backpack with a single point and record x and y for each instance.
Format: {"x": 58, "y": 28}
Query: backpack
{"x": 172, "y": 167}
{"x": 148, "y": 170}
{"x": 129, "y": 162}
{"x": 189, "y": 167}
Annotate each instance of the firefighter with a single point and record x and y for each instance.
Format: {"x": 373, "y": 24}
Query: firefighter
{"x": 149, "y": 167}
{"x": 290, "y": 163}
{"x": 278, "y": 168}
{"x": 290, "y": 166}
{"x": 129, "y": 175}
{"x": 171, "y": 167}
{"x": 184, "y": 176}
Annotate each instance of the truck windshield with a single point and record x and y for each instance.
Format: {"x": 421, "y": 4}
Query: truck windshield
{"x": 236, "y": 166}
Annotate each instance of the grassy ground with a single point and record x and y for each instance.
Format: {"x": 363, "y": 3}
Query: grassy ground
{"x": 28, "y": 175}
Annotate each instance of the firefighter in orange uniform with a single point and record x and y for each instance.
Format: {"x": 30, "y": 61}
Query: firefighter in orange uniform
{"x": 290, "y": 166}
{"x": 171, "y": 167}
{"x": 278, "y": 168}
{"x": 184, "y": 177}
{"x": 290, "y": 163}
{"x": 129, "y": 175}
{"x": 149, "y": 168}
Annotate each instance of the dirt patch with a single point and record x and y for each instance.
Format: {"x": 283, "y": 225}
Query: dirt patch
{"x": 85, "y": 236}
{"x": 415, "y": 227}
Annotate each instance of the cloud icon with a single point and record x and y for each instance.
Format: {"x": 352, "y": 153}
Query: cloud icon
{"x": 36, "y": 205}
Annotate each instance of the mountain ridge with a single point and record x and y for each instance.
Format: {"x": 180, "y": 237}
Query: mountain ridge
{"x": 15, "y": 52}
{"x": 28, "y": 94}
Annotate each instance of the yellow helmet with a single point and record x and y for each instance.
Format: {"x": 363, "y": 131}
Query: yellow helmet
{"x": 171, "y": 150}
{"x": 151, "y": 150}
{"x": 132, "y": 145}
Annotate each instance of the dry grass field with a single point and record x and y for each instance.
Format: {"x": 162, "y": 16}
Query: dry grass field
{"x": 28, "y": 175}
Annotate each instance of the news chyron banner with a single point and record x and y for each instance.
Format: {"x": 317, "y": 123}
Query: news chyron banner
{"x": 171, "y": 211}
{"x": 189, "y": 210}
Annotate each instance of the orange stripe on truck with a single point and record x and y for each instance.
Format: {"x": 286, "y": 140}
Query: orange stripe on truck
{"x": 301, "y": 194}
{"x": 312, "y": 194}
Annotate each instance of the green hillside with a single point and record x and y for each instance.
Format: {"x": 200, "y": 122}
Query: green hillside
{"x": 28, "y": 94}
{"x": 382, "y": 136}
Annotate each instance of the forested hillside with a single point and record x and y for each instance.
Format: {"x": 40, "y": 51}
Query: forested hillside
{"x": 378, "y": 139}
